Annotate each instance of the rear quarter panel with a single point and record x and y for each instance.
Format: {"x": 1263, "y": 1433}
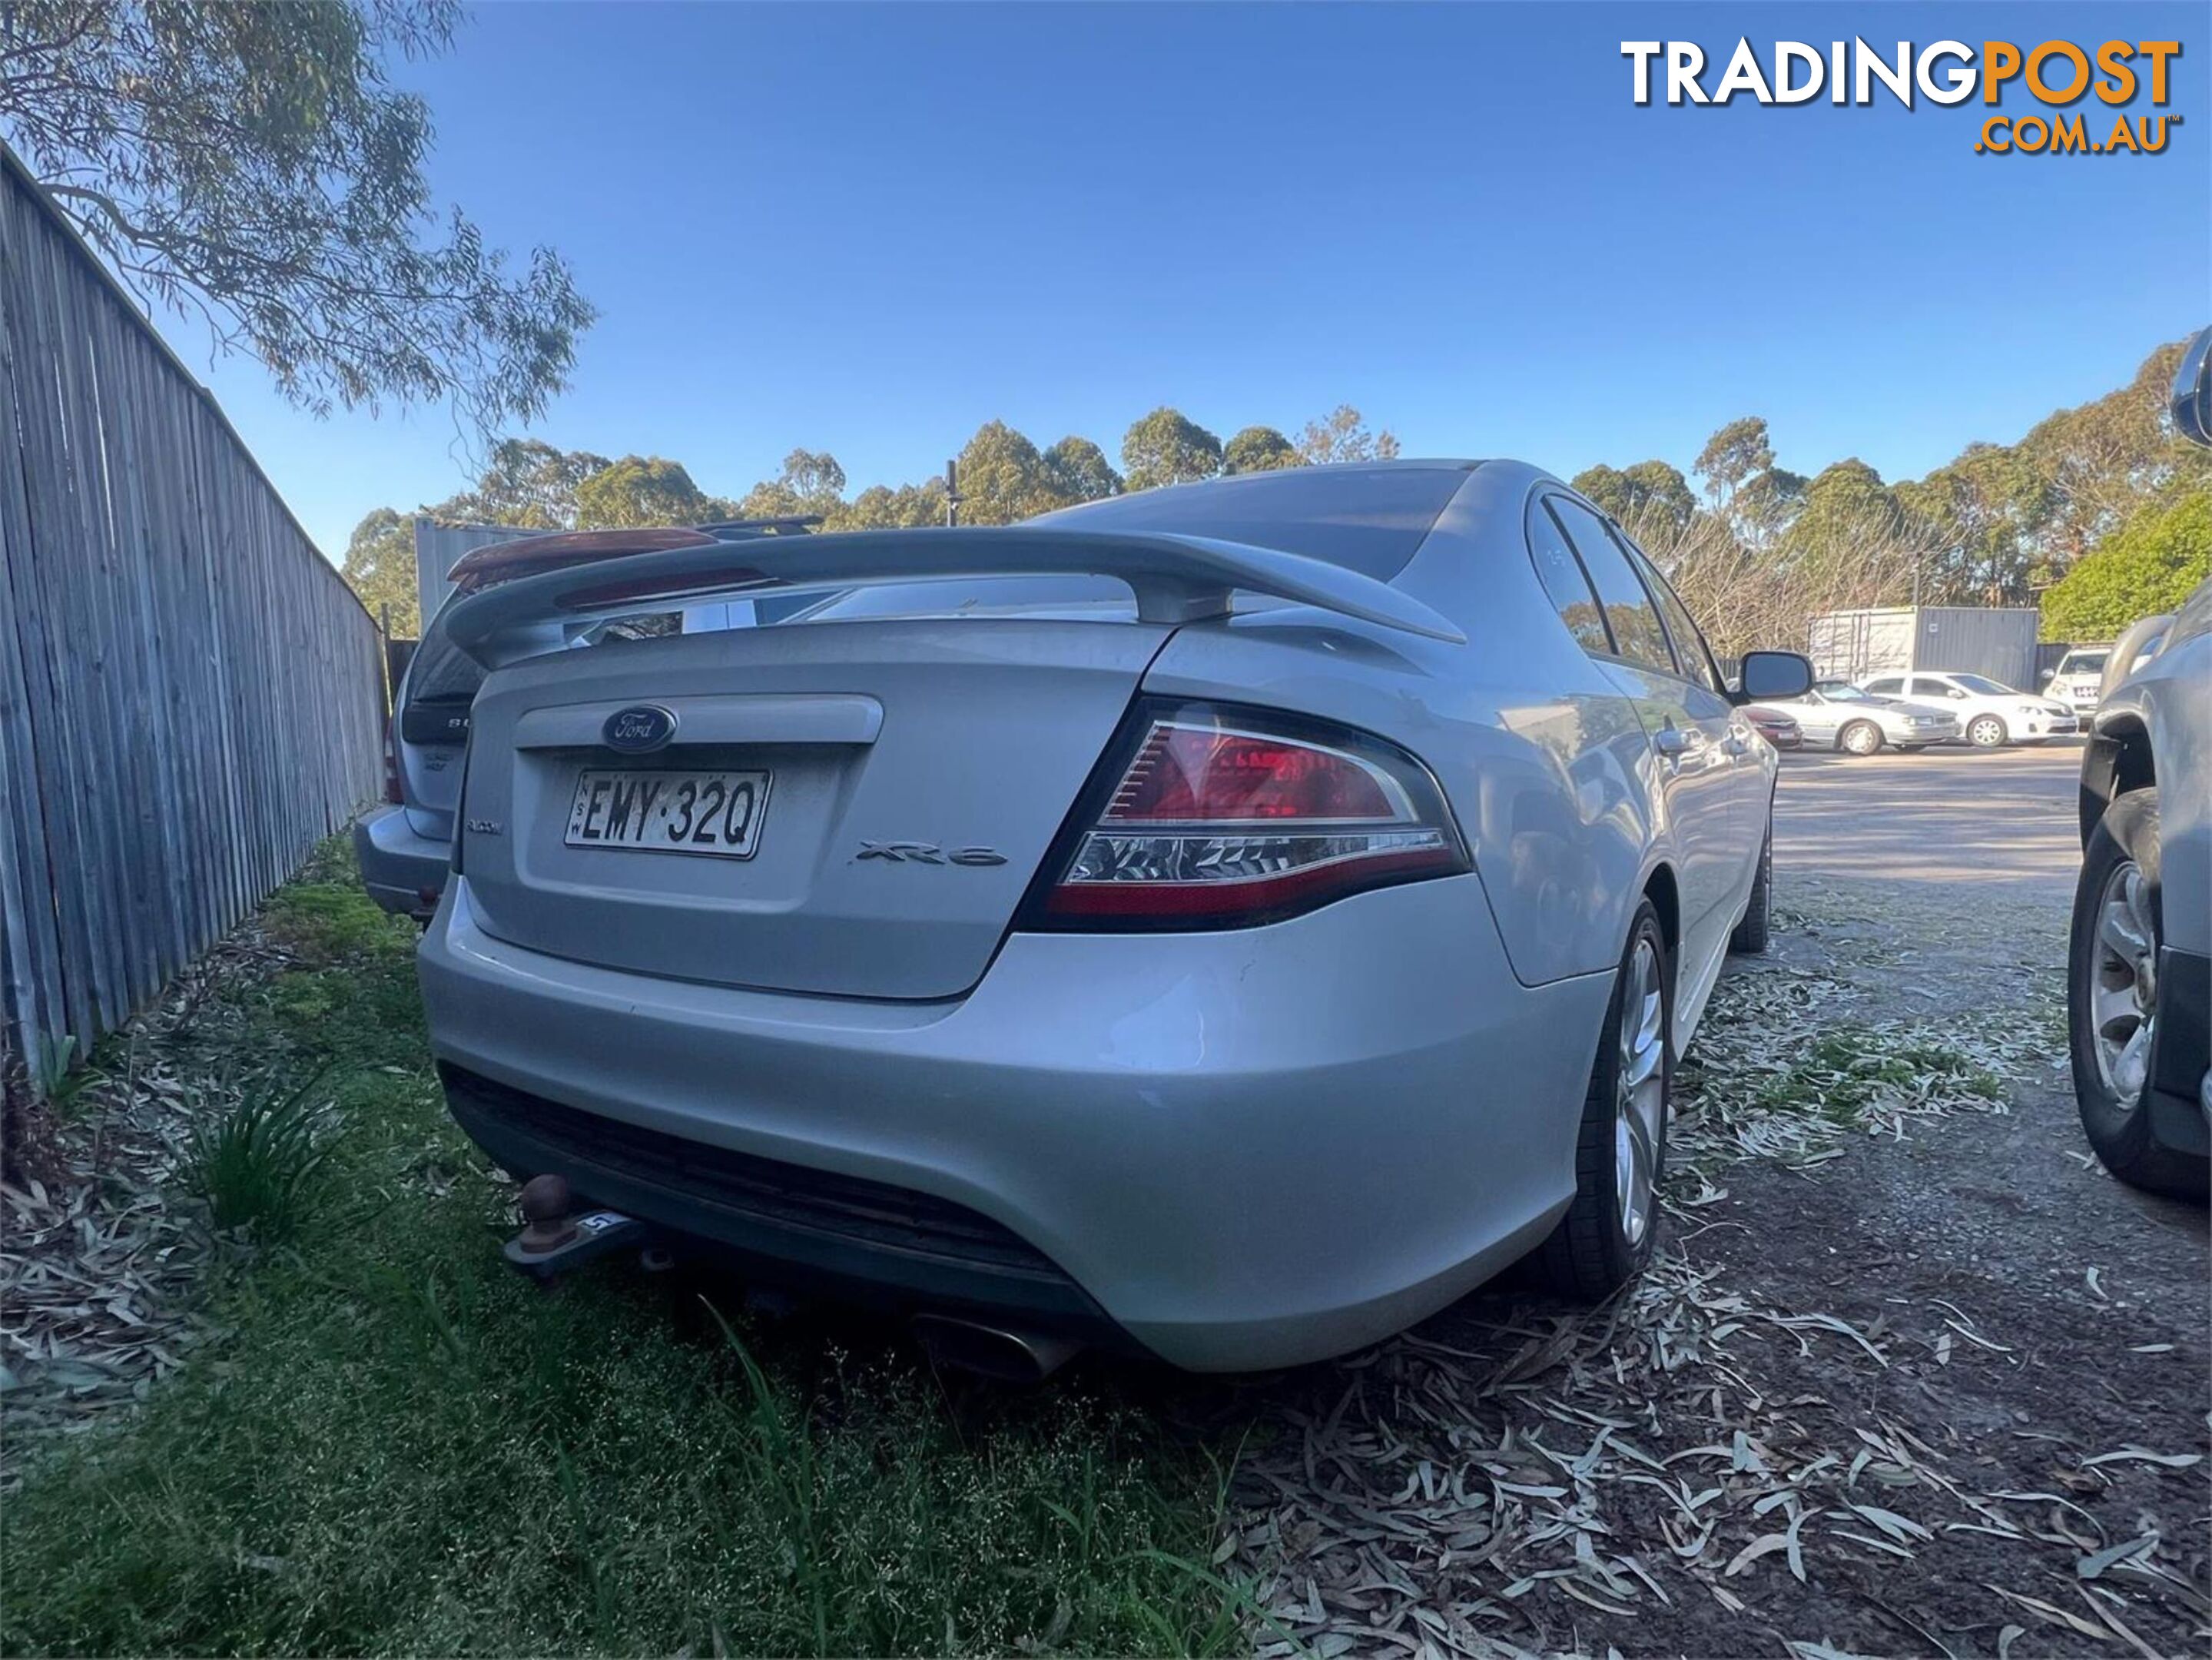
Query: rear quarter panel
{"x": 1541, "y": 757}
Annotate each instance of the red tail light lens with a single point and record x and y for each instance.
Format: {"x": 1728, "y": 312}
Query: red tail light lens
{"x": 1207, "y": 816}
{"x": 391, "y": 790}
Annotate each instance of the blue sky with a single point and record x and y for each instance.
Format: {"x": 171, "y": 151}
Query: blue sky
{"x": 869, "y": 229}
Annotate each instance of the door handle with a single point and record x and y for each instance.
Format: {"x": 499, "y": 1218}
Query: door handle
{"x": 1735, "y": 743}
{"x": 1671, "y": 742}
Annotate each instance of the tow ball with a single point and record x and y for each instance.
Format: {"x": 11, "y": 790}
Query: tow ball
{"x": 556, "y": 1237}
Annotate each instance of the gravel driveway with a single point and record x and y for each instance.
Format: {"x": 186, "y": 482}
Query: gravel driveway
{"x": 1913, "y": 1376}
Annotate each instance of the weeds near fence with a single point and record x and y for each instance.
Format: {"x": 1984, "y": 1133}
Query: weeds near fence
{"x": 256, "y": 1162}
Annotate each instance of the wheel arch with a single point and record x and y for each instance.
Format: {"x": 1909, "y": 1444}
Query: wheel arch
{"x": 1666, "y": 897}
{"x": 2117, "y": 760}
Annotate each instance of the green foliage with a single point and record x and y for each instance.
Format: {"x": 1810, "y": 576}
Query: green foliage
{"x": 379, "y": 566}
{"x": 1079, "y": 470}
{"x": 1002, "y": 479}
{"x": 1979, "y": 512}
{"x": 323, "y": 922}
{"x": 635, "y": 490}
{"x": 528, "y": 484}
{"x": 1651, "y": 497}
{"x": 2151, "y": 564}
{"x": 257, "y": 1163}
{"x": 1342, "y": 435}
{"x": 1258, "y": 449}
{"x": 1846, "y": 510}
{"x": 1844, "y": 1078}
{"x": 810, "y": 481}
{"x": 255, "y": 165}
{"x": 1168, "y": 447}
{"x": 403, "y": 1446}
{"x": 910, "y": 506}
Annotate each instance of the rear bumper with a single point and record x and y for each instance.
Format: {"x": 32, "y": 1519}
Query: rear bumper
{"x": 398, "y": 866}
{"x": 1243, "y": 1149}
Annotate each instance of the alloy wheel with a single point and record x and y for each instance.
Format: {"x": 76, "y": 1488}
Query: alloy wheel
{"x": 2123, "y": 984}
{"x": 1639, "y": 1093}
{"x": 1863, "y": 738}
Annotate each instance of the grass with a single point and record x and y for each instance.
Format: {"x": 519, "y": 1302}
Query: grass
{"x": 402, "y": 1447}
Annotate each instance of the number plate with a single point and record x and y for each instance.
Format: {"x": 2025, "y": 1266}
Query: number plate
{"x": 703, "y": 812}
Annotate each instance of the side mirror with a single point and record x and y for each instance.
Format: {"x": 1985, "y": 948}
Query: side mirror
{"x": 2190, "y": 404}
{"x": 1782, "y": 674}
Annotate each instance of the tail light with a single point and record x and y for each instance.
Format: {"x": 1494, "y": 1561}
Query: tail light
{"x": 1212, "y": 816}
{"x": 391, "y": 790}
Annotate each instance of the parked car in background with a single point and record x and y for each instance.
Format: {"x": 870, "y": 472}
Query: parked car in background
{"x": 1777, "y": 726}
{"x": 1991, "y": 713}
{"x": 1838, "y": 714}
{"x": 2139, "y": 960}
{"x": 1036, "y": 940}
{"x": 2079, "y": 678}
{"x": 404, "y": 847}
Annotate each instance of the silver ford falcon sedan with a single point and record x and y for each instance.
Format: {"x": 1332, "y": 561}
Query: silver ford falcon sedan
{"x": 1230, "y": 921}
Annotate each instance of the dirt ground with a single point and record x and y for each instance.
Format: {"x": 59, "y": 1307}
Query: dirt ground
{"x": 1912, "y": 1377}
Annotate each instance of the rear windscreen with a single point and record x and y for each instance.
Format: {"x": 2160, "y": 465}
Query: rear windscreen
{"x": 1369, "y": 520}
{"x": 1366, "y": 519}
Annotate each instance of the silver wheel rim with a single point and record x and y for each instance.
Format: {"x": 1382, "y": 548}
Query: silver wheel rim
{"x": 2123, "y": 984}
{"x": 1986, "y": 733}
{"x": 1639, "y": 1093}
{"x": 1860, "y": 739}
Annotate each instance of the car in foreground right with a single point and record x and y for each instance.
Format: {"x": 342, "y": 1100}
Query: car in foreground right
{"x": 2139, "y": 961}
{"x": 1229, "y": 920}
{"x": 1838, "y": 714}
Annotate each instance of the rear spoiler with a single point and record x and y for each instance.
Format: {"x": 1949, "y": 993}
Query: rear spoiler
{"x": 1176, "y": 579}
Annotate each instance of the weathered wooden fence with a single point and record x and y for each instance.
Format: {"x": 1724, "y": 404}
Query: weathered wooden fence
{"x": 188, "y": 690}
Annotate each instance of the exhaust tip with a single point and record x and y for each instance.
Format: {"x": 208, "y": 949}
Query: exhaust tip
{"x": 1003, "y": 1353}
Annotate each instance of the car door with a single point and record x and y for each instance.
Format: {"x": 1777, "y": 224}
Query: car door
{"x": 1692, "y": 784}
{"x": 1937, "y": 692}
{"x": 1817, "y": 718}
{"x": 1752, "y": 765}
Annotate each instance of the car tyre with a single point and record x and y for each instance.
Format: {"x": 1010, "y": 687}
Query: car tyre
{"x": 1987, "y": 731}
{"x": 2119, "y": 923}
{"x": 1620, "y": 1151}
{"x": 1751, "y": 936}
{"x": 1859, "y": 737}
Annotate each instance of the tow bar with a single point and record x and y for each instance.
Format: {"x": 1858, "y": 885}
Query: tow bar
{"x": 554, "y": 1240}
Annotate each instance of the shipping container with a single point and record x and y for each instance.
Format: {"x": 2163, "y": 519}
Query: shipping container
{"x": 438, "y": 546}
{"x": 1850, "y": 645}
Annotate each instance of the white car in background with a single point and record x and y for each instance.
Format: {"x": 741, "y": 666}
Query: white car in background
{"x": 1991, "y": 713}
{"x": 2079, "y": 678}
{"x": 1836, "y": 714}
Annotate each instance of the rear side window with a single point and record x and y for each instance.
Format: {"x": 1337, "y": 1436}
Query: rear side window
{"x": 1690, "y": 648}
{"x": 1629, "y": 610}
{"x": 1888, "y": 686}
{"x": 1561, "y": 573}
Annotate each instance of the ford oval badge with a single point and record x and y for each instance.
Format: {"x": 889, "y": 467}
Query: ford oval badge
{"x": 639, "y": 728}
